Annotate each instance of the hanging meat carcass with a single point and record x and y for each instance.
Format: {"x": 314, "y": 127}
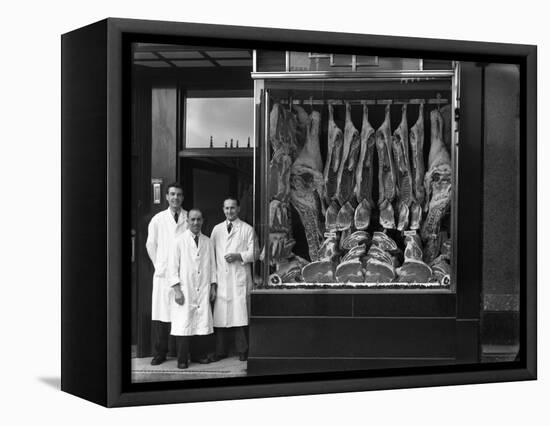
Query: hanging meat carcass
{"x": 400, "y": 146}
{"x": 364, "y": 173}
{"x": 282, "y": 137}
{"x": 334, "y": 154}
{"x": 348, "y": 161}
{"x": 278, "y": 216}
{"x": 307, "y": 186}
{"x": 416, "y": 141}
{"x": 437, "y": 183}
{"x": 387, "y": 188}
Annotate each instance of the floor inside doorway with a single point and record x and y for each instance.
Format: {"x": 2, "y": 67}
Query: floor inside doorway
{"x": 143, "y": 371}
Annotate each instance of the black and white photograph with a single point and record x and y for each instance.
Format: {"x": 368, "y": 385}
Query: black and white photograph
{"x": 302, "y": 212}
{"x": 280, "y": 213}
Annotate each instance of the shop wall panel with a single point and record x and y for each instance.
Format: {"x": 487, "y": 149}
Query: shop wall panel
{"x": 470, "y": 192}
{"x": 405, "y": 304}
{"x": 468, "y": 345}
{"x": 352, "y": 337}
{"x": 301, "y": 304}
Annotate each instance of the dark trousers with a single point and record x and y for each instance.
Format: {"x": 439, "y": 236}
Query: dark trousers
{"x": 191, "y": 345}
{"x": 161, "y": 331}
{"x": 226, "y": 336}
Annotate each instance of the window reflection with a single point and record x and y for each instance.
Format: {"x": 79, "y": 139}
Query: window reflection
{"x": 219, "y": 120}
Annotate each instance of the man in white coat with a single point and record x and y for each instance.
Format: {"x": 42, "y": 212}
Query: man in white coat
{"x": 235, "y": 246}
{"x": 193, "y": 279}
{"x": 163, "y": 231}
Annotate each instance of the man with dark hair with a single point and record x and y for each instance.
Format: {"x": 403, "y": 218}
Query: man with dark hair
{"x": 235, "y": 247}
{"x": 163, "y": 231}
{"x": 193, "y": 279}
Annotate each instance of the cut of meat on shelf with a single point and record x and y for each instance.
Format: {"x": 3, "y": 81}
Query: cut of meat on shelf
{"x": 307, "y": 187}
{"x": 329, "y": 250}
{"x": 416, "y": 141}
{"x": 386, "y": 174}
{"x": 334, "y": 154}
{"x": 400, "y": 146}
{"x": 377, "y": 253}
{"x": 441, "y": 270}
{"x": 437, "y": 183}
{"x": 379, "y": 267}
{"x": 384, "y": 242}
{"x": 318, "y": 272}
{"x": 350, "y": 152}
{"x": 354, "y": 239}
{"x": 355, "y": 253}
{"x": 344, "y": 219}
{"x": 364, "y": 173}
{"x": 350, "y": 271}
{"x": 413, "y": 269}
{"x": 379, "y": 272}
{"x": 291, "y": 271}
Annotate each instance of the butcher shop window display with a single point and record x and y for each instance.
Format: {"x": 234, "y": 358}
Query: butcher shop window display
{"x": 359, "y": 193}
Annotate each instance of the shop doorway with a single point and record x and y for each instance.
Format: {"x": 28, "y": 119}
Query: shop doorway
{"x": 208, "y": 180}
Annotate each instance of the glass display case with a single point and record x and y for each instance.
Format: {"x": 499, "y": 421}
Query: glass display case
{"x": 357, "y": 174}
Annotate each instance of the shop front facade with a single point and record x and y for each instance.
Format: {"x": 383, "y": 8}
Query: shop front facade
{"x": 361, "y": 177}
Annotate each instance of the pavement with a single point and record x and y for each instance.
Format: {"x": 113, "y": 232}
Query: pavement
{"x": 143, "y": 371}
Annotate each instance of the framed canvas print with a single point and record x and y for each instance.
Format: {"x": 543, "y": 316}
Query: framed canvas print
{"x": 275, "y": 212}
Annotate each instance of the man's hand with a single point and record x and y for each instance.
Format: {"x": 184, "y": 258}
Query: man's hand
{"x": 180, "y": 299}
{"x": 213, "y": 293}
{"x": 232, "y": 257}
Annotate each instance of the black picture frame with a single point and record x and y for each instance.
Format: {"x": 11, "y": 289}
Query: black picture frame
{"x": 95, "y": 173}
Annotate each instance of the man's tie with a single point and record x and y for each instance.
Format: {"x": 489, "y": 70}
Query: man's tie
{"x": 176, "y": 215}
{"x": 197, "y": 240}
{"x": 229, "y": 226}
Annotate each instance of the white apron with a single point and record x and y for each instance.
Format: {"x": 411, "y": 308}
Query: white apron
{"x": 162, "y": 234}
{"x": 195, "y": 269}
{"x": 234, "y": 279}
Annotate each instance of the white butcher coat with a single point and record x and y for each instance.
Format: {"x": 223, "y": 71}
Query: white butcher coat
{"x": 234, "y": 279}
{"x": 195, "y": 269}
{"x": 162, "y": 234}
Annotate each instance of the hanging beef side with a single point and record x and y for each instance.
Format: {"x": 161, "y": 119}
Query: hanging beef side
{"x": 400, "y": 147}
{"x": 364, "y": 174}
{"x": 387, "y": 188}
{"x": 307, "y": 186}
{"x": 437, "y": 183}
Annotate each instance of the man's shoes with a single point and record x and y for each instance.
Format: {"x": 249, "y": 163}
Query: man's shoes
{"x": 157, "y": 360}
{"x": 216, "y": 357}
{"x": 243, "y": 356}
{"x": 182, "y": 365}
